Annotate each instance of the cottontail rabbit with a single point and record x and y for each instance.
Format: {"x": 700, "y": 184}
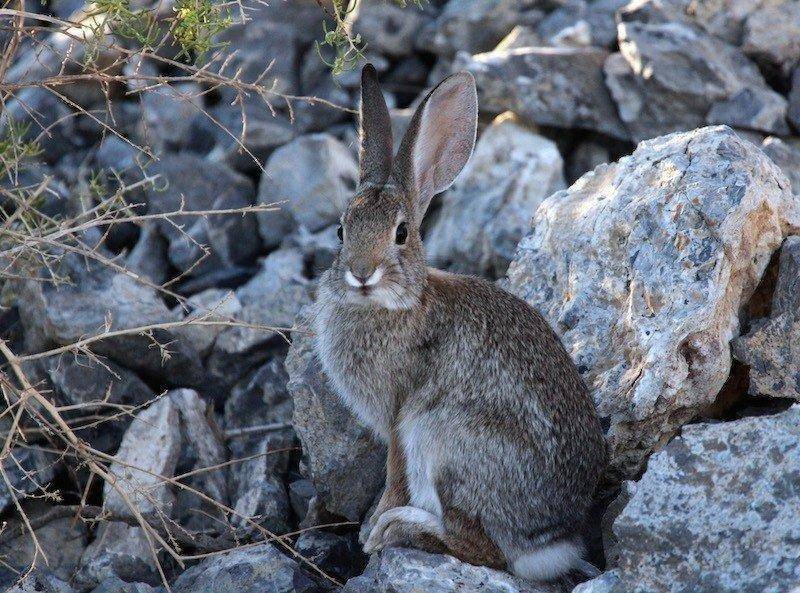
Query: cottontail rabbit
{"x": 494, "y": 445}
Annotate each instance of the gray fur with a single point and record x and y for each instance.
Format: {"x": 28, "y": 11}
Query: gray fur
{"x": 494, "y": 428}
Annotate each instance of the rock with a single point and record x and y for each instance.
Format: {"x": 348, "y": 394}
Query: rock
{"x": 476, "y": 26}
{"x": 318, "y": 82}
{"x": 641, "y": 267}
{"x": 405, "y": 570}
{"x": 213, "y": 304}
{"x": 149, "y": 257}
{"x": 258, "y": 569}
{"x": 118, "y": 552}
{"x": 560, "y": 87}
{"x": 98, "y": 298}
{"x": 261, "y": 496}
{"x": 315, "y": 175}
{"x": 605, "y": 583}
{"x": 186, "y": 181}
{"x": 272, "y": 299}
{"x": 251, "y": 129}
{"x": 319, "y": 249}
{"x": 62, "y": 541}
{"x": 771, "y": 36}
{"x": 597, "y": 18}
{"x": 28, "y": 470}
{"x": 36, "y": 582}
{"x": 338, "y": 555}
{"x": 147, "y": 456}
{"x": 489, "y": 209}
{"x": 35, "y": 109}
{"x": 167, "y": 115}
{"x": 520, "y": 36}
{"x": 387, "y": 28}
{"x": 671, "y": 77}
{"x": 584, "y": 157}
{"x": 787, "y": 157}
{"x": 116, "y": 585}
{"x": 772, "y": 347}
{"x": 301, "y": 493}
{"x": 722, "y": 495}
{"x": 342, "y": 459}
{"x": 116, "y": 154}
{"x": 793, "y": 111}
{"x": 263, "y": 52}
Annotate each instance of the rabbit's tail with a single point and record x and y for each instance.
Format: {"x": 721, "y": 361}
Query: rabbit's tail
{"x": 553, "y": 559}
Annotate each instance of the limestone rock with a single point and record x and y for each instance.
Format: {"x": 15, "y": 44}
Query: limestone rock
{"x": 641, "y": 267}
{"x": 343, "y": 460}
{"x": 489, "y": 209}
{"x": 786, "y": 156}
{"x": 560, "y": 87}
{"x": 720, "y": 495}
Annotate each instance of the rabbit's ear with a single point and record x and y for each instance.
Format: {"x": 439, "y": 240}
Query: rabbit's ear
{"x": 439, "y": 140}
{"x": 375, "y": 153}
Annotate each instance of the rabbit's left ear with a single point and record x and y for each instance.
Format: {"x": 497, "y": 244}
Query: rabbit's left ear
{"x": 439, "y": 140}
{"x": 375, "y": 152}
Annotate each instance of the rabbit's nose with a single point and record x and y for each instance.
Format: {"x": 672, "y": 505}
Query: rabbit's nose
{"x": 359, "y": 278}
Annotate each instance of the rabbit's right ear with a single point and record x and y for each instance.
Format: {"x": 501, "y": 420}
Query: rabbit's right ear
{"x": 375, "y": 152}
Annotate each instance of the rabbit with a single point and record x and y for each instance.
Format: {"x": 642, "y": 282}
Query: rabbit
{"x": 494, "y": 444}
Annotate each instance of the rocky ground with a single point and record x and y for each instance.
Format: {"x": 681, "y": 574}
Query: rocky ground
{"x": 633, "y": 179}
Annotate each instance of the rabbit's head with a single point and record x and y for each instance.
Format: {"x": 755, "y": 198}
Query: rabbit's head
{"x": 382, "y": 261}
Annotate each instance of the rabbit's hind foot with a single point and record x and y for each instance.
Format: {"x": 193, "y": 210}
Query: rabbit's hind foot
{"x": 406, "y": 526}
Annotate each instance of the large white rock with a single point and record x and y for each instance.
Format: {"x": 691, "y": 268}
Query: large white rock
{"x": 717, "y": 510}
{"x": 641, "y": 267}
{"x": 486, "y": 214}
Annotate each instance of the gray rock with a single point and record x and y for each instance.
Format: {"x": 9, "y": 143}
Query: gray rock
{"x": 723, "y": 496}
{"x": 114, "y": 153}
{"x": 272, "y": 299}
{"x": 317, "y": 81}
{"x": 338, "y": 555}
{"x": 671, "y": 77}
{"x": 147, "y": 457}
{"x": 404, "y": 570}
{"x": 584, "y": 157}
{"x": 793, "y": 111}
{"x": 772, "y": 35}
{"x": 342, "y": 459}
{"x": 37, "y": 582}
{"x": 772, "y": 347}
{"x": 301, "y": 493}
{"x": 213, "y": 304}
{"x": 29, "y": 471}
{"x": 318, "y": 248}
{"x": 489, "y": 209}
{"x": 248, "y": 135}
{"x": 117, "y": 585}
{"x": 387, "y": 28}
{"x": 261, "y": 496}
{"x": 477, "y": 26}
{"x": 560, "y": 87}
{"x": 98, "y": 298}
{"x": 167, "y": 115}
{"x": 641, "y": 267}
{"x": 520, "y": 36}
{"x": 597, "y": 15}
{"x": 149, "y": 258}
{"x": 35, "y": 109}
{"x": 315, "y": 175}
{"x": 605, "y": 583}
{"x": 118, "y": 552}
{"x": 787, "y": 157}
{"x": 186, "y": 181}
{"x": 62, "y": 541}
{"x": 258, "y": 569}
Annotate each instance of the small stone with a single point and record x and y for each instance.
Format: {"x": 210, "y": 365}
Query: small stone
{"x": 29, "y": 471}
{"x": 118, "y": 552}
{"x": 787, "y": 157}
{"x": 301, "y": 492}
{"x": 387, "y": 28}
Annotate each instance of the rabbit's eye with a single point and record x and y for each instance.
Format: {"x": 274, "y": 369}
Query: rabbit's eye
{"x": 340, "y": 233}
{"x": 401, "y": 234}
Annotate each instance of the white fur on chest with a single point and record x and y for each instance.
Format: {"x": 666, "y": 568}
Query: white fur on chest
{"x": 421, "y": 465}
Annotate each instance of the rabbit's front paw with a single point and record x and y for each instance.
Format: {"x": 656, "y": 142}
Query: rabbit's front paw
{"x": 399, "y": 525}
